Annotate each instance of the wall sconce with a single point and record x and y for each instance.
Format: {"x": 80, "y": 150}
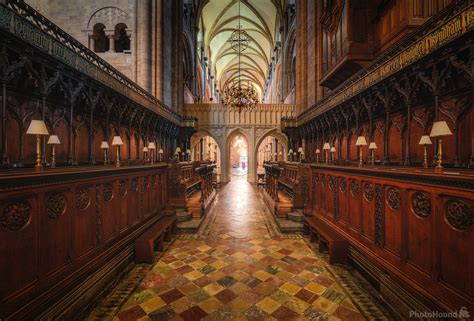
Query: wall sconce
{"x": 317, "y": 154}
{"x": 105, "y": 146}
{"x": 361, "y": 141}
{"x": 53, "y": 141}
{"x": 326, "y": 149}
{"x": 117, "y": 141}
{"x": 177, "y": 152}
{"x": 38, "y": 128}
{"x": 372, "y": 146}
{"x": 160, "y": 155}
{"x": 440, "y": 129}
{"x": 425, "y": 140}
{"x": 333, "y": 151}
{"x": 151, "y": 148}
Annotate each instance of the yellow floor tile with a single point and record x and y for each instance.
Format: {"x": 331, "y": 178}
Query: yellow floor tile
{"x": 262, "y": 275}
{"x": 193, "y": 275}
{"x": 315, "y": 288}
{"x": 290, "y": 288}
{"x": 268, "y": 305}
{"x": 152, "y": 305}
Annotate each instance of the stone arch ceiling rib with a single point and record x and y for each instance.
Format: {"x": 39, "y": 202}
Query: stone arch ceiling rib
{"x": 259, "y": 19}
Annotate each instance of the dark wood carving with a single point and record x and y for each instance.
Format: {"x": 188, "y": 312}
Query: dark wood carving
{"x": 16, "y": 215}
{"x": 459, "y": 215}
{"x": 394, "y": 198}
{"x": 83, "y": 199}
{"x": 421, "y": 204}
{"x": 379, "y": 216}
{"x": 55, "y": 205}
{"x": 369, "y": 191}
{"x": 108, "y": 192}
{"x": 355, "y": 188}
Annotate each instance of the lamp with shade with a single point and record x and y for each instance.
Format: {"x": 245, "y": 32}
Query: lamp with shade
{"x": 188, "y": 154}
{"x": 361, "y": 141}
{"x": 301, "y": 153}
{"x": 372, "y": 146}
{"x": 151, "y": 149}
{"x": 160, "y": 154}
{"x": 38, "y": 128}
{"x": 290, "y": 153}
{"x": 117, "y": 141}
{"x": 177, "y": 152}
{"x": 105, "y": 146}
{"x": 440, "y": 129}
{"x": 318, "y": 151}
{"x": 333, "y": 151}
{"x": 53, "y": 141}
{"x": 326, "y": 148}
{"x": 145, "y": 154}
{"x": 425, "y": 140}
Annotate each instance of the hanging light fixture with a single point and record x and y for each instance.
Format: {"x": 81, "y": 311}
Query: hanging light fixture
{"x": 237, "y": 94}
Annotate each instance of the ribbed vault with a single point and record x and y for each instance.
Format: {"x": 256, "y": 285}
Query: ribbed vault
{"x": 259, "y": 19}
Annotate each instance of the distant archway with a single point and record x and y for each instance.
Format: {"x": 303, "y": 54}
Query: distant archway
{"x": 239, "y": 155}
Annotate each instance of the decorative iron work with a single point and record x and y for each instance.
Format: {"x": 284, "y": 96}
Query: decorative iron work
{"x": 83, "y": 198}
{"x": 379, "y": 216}
{"x": 394, "y": 198}
{"x": 355, "y": 188}
{"x": 421, "y": 204}
{"x": 342, "y": 185}
{"x": 123, "y": 188}
{"x": 16, "y": 215}
{"x": 55, "y": 205}
{"x": 459, "y": 215}
{"x": 108, "y": 192}
{"x": 239, "y": 39}
{"x": 369, "y": 191}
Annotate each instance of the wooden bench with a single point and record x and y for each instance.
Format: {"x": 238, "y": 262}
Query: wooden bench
{"x": 328, "y": 239}
{"x": 153, "y": 238}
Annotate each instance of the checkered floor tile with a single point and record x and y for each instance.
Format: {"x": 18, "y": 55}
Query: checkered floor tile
{"x": 238, "y": 271}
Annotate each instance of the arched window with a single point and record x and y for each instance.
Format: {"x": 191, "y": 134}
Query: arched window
{"x": 122, "y": 41}
{"x": 101, "y": 42}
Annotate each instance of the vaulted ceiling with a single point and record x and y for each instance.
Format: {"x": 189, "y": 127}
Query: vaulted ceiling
{"x": 259, "y": 19}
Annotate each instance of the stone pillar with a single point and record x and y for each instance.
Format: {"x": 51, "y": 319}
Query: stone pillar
{"x": 111, "y": 42}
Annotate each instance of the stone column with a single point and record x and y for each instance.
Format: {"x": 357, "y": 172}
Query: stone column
{"x": 111, "y": 38}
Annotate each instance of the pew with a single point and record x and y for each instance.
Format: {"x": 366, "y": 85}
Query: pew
{"x": 191, "y": 186}
{"x": 327, "y": 238}
{"x": 285, "y": 184}
{"x": 153, "y": 238}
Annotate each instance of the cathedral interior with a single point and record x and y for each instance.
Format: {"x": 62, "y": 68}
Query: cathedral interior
{"x": 238, "y": 160}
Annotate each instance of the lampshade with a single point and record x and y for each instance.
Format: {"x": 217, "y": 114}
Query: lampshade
{"x": 160, "y": 151}
{"x": 361, "y": 141}
{"x": 117, "y": 141}
{"x": 275, "y": 154}
{"x": 300, "y": 149}
{"x": 425, "y": 140}
{"x": 440, "y": 128}
{"x": 145, "y": 149}
{"x": 279, "y": 153}
{"x": 326, "y": 146}
{"x": 53, "y": 140}
{"x": 37, "y": 127}
{"x": 151, "y": 145}
{"x": 318, "y": 151}
{"x": 372, "y": 145}
{"x": 290, "y": 151}
{"x": 333, "y": 149}
{"x": 178, "y": 150}
{"x": 188, "y": 151}
{"x": 104, "y": 145}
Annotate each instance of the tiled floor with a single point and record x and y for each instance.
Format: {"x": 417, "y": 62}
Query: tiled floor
{"x": 238, "y": 272}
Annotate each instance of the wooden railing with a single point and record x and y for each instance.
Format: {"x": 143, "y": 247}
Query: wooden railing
{"x": 418, "y": 227}
{"x": 71, "y": 226}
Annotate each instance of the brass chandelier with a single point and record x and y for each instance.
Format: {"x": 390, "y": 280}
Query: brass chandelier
{"x": 239, "y": 95}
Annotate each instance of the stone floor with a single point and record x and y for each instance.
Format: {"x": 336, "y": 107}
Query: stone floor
{"x": 235, "y": 269}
